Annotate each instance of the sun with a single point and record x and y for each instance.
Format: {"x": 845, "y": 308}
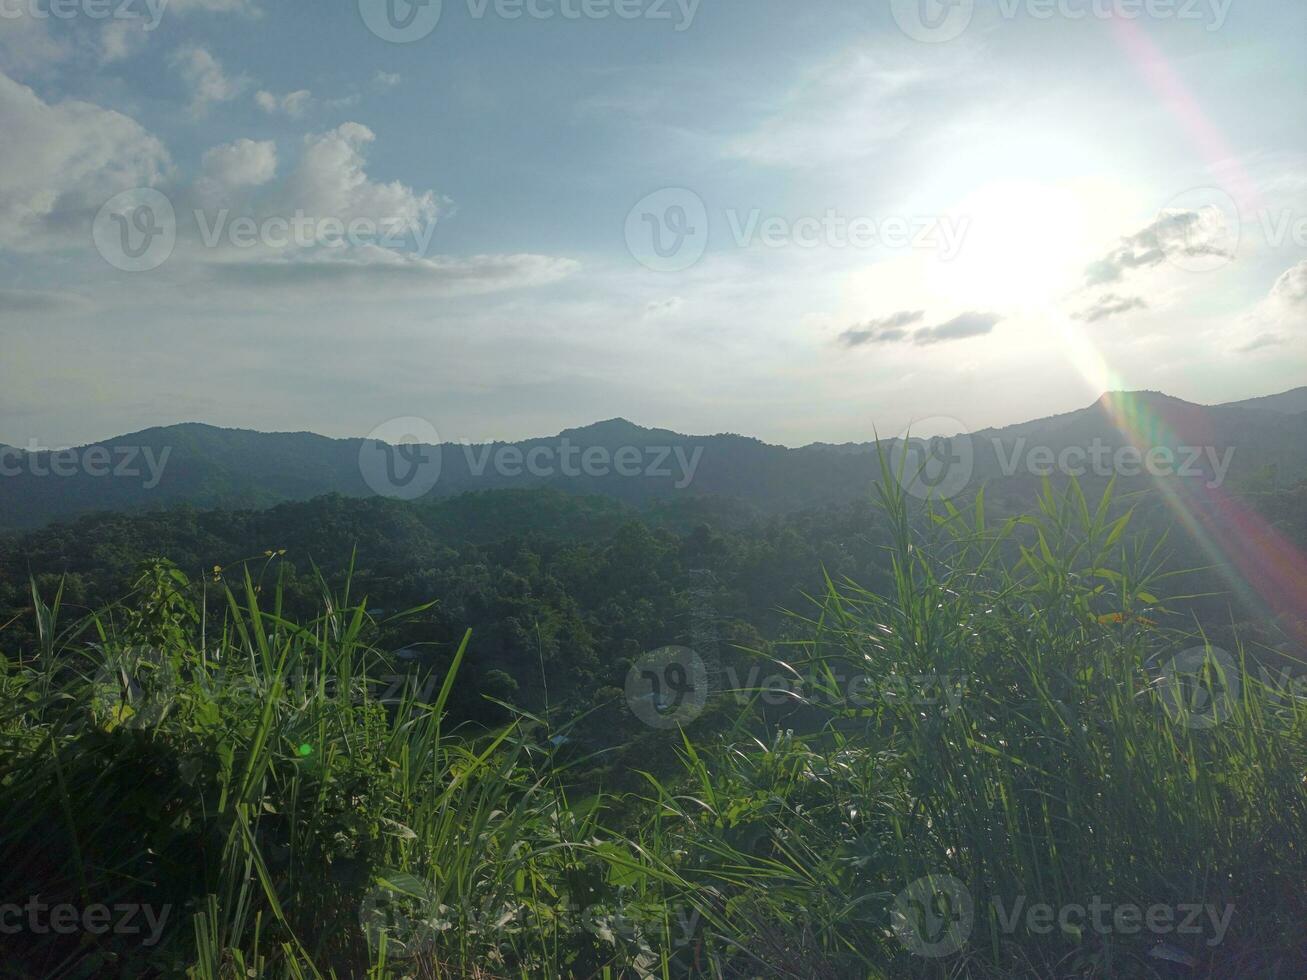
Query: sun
{"x": 1024, "y": 245}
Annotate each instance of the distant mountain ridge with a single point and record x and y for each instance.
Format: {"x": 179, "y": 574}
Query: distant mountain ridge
{"x": 209, "y": 467}
{"x": 1290, "y": 402}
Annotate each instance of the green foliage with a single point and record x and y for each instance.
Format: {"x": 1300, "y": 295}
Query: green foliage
{"x": 203, "y": 747}
{"x": 1055, "y": 774}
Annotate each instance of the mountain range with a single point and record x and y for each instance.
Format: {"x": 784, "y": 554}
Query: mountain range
{"x": 1258, "y": 442}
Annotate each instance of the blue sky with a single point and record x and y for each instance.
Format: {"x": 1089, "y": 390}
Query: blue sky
{"x": 989, "y": 222}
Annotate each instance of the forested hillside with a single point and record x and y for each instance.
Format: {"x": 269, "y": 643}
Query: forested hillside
{"x": 576, "y": 587}
{"x": 538, "y": 734}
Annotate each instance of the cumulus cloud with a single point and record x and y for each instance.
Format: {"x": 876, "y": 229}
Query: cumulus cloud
{"x": 244, "y": 163}
{"x": 60, "y": 162}
{"x": 325, "y": 200}
{"x": 208, "y": 80}
{"x": 330, "y": 180}
{"x": 386, "y": 79}
{"x": 894, "y": 328}
{"x": 291, "y": 104}
{"x": 1192, "y": 234}
{"x": 1109, "y": 305}
{"x": 329, "y": 187}
{"x": 227, "y": 169}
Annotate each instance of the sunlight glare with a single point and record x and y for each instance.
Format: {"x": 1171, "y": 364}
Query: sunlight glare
{"x": 1025, "y": 245}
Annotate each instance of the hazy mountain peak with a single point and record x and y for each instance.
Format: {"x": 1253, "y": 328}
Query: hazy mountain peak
{"x": 619, "y": 428}
{"x": 1125, "y": 398}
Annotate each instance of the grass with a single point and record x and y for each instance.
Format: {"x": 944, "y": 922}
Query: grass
{"x": 1002, "y": 728}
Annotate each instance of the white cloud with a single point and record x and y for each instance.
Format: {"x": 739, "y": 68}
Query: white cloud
{"x": 26, "y": 44}
{"x": 59, "y": 163}
{"x": 845, "y": 109}
{"x": 329, "y": 184}
{"x": 1290, "y": 290}
{"x": 1263, "y": 342}
{"x": 244, "y": 163}
{"x": 120, "y": 39}
{"x": 330, "y": 180}
{"x": 386, "y": 79}
{"x": 208, "y": 81}
{"x": 1279, "y": 318}
{"x": 324, "y": 211}
{"x": 30, "y": 43}
{"x": 292, "y": 104}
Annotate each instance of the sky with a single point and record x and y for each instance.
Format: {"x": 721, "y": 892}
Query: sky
{"x": 802, "y": 222}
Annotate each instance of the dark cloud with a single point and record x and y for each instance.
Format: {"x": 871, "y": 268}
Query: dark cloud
{"x": 885, "y": 330}
{"x": 959, "y": 328}
{"x": 1109, "y": 305}
{"x": 387, "y": 270}
{"x": 894, "y": 328}
{"x": 1188, "y": 233}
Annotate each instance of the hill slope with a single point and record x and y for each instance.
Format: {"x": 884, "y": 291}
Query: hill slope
{"x": 209, "y": 467}
{"x": 1289, "y": 402}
